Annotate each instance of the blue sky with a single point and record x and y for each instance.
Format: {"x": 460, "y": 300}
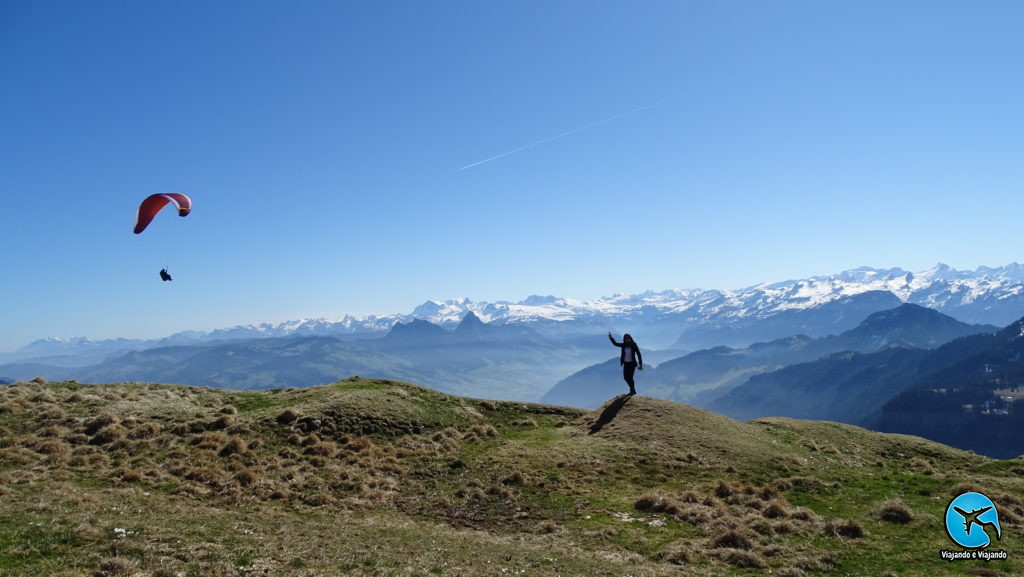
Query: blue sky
{"x": 321, "y": 144}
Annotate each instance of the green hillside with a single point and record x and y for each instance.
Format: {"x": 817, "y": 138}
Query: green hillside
{"x": 381, "y": 478}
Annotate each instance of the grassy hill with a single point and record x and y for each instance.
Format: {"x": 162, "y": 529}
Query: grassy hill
{"x": 373, "y": 477}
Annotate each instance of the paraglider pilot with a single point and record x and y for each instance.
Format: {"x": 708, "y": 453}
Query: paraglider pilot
{"x": 164, "y": 275}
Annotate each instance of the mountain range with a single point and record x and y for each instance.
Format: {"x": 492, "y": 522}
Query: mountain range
{"x": 962, "y": 393}
{"x": 681, "y": 319}
{"x": 965, "y": 394}
{"x": 701, "y": 377}
{"x": 472, "y": 358}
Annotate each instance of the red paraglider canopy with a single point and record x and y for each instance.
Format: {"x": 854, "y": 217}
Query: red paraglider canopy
{"x": 155, "y": 202}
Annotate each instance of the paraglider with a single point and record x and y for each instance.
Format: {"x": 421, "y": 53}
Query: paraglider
{"x": 155, "y": 202}
{"x": 152, "y": 205}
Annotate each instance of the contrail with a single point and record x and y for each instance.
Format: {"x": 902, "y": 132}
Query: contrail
{"x": 573, "y": 131}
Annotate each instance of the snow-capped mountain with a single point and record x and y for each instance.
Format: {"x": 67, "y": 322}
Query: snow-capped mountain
{"x": 347, "y": 325}
{"x": 690, "y": 318}
{"x": 968, "y": 293}
{"x": 816, "y": 306}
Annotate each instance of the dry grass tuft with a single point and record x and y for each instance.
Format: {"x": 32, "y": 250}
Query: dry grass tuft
{"x": 210, "y": 441}
{"x": 738, "y": 558}
{"x": 733, "y": 539}
{"x": 54, "y": 449}
{"x": 477, "y": 432}
{"x": 222, "y": 422}
{"x": 896, "y": 511}
{"x": 690, "y": 497}
{"x": 849, "y": 529}
{"x": 233, "y": 446}
{"x": 653, "y": 502}
{"x": 648, "y": 502}
{"x": 361, "y": 445}
{"x": 130, "y": 475}
{"x": 802, "y": 514}
{"x": 322, "y": 449}
{"x": 52, "y": 413}
{"x": 109, "y": 434}
{"x": 246, "y": 477}
{"x": 926, "y": 467}
{"x": 448, "y": 433}
{"x": 776, "y": 509}
{"x": 288, "y": 416}
{"x": 114, "y": 566}
{"x": 724, "y": 490}
{"x": 87, "y": 533}
{"x": 678, "y": 553}
{"x": 42, "y": 397}
{"x": 515, "y": 478}
{"x": 146, "y": 430}
{"x": 101, "y": 421}
{"x": 501, "y": 492}
{"x": 207, "y": 474}
{"x": 11, "y": 408}
{"x": 699, "y": 514}
{"x": 1011, "y": 508}
{"x": 547, "y": 527}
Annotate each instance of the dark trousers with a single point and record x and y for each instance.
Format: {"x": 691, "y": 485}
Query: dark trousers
{"x": 627, "y": 373}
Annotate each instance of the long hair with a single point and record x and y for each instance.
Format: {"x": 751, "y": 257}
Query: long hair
{"x": 627, "y": 338}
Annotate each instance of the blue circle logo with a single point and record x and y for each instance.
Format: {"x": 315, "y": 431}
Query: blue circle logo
{"x": 971, "y": 519}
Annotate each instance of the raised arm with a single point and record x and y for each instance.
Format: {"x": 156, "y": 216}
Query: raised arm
{"x": 612, "y": 339}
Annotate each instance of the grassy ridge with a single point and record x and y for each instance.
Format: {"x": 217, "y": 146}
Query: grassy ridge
{"x": 373, "y": 477}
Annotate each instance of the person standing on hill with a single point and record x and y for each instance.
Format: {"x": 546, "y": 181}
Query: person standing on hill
{"x": 629, "y": 358}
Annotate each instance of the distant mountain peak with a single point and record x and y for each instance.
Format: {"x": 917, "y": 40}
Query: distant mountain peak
{"x": 904, "y": 311}
{"x": 909, "y": 325}
{"x": 416, "y": 329}
{"x": 469, "y": 320}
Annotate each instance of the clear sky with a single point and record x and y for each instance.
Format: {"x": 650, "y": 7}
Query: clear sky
{"x": 333, "y": 151}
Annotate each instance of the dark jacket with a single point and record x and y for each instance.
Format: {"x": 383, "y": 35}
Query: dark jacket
{"x": 622, "y": 354}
